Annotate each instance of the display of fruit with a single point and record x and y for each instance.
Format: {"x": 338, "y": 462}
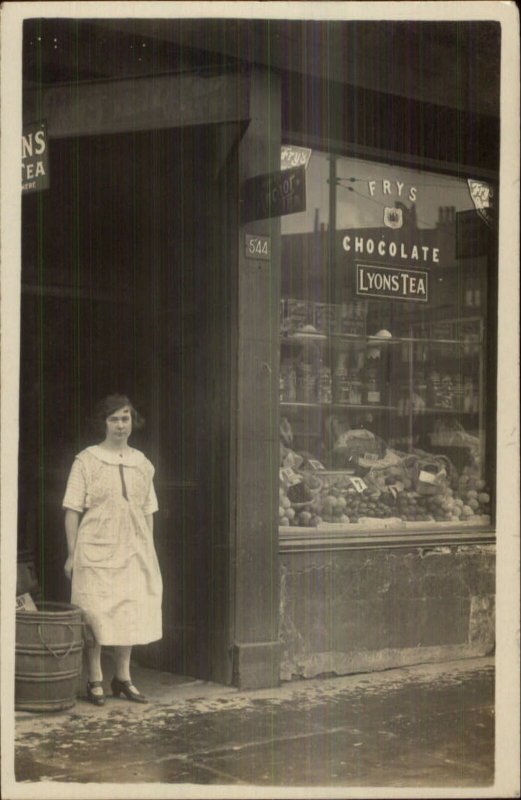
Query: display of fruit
{"x": 296, "y": 511}
{"x": 388, "y": 495}
{"x": 299, "y": 493}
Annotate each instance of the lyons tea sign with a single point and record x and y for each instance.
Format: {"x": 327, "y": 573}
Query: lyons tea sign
{"x": 393, "y": 283}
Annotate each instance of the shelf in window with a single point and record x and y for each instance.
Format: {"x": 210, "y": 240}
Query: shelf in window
{"x": 300, "y": 338}
{"x": 426, "y": 411}
{"x": 350, "y": 406}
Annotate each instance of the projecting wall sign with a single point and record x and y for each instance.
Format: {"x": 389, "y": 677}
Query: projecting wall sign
{"x": 35, "y": 158}
{"x": 275, "y": 194}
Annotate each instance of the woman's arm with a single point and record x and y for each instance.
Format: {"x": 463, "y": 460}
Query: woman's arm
{"x": 149, "y": 519}
{"x": 72, "y": 521}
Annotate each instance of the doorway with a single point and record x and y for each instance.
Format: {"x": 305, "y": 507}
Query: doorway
{"x": 127, "y": 285}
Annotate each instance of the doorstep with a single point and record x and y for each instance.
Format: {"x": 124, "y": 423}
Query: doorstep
{"x": 162, "y": 688}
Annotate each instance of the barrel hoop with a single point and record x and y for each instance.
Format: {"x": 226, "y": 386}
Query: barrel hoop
{"x": 38, "y": 706}
{"x": 35, "y": 649}
{"x": 20, "y": 620}
{"x": 45, "y": 677}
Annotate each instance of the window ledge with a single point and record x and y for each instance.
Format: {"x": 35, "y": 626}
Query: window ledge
{"x": 410, "y": 534}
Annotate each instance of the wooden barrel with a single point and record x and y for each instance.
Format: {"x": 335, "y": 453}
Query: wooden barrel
{"x": 49, "y": 645}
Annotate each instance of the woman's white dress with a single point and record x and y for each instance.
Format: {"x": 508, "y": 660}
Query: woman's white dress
{"x": 116, "y": 579}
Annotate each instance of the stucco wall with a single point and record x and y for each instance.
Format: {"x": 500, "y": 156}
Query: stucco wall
{"x": 358, "y": 610}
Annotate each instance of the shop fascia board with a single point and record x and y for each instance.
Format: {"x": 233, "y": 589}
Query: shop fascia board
{"x": 410, "y": 64}
{"x": 110, "y": 107}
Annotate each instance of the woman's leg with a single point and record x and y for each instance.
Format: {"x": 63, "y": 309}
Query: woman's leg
{"x": 93, "y": 652}
{"x": 122, "y": 655}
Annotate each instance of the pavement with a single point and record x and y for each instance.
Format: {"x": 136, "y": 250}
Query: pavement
{"x": 422, "y": 726}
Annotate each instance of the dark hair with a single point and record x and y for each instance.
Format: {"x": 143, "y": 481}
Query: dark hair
{"x": 112, "y": 403}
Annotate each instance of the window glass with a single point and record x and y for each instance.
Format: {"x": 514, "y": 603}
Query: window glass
{"x": 383, "y": 372}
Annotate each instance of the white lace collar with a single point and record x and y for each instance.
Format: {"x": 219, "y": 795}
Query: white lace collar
{"x": 131, "y": 458}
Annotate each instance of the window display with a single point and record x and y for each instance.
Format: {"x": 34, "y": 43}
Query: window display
{"x": 383, "y": 352}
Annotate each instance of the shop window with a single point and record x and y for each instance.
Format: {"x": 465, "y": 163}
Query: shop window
{"x": 386, "y": 375}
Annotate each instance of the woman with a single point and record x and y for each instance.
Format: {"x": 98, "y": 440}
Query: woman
{"x": 109, "y": 505}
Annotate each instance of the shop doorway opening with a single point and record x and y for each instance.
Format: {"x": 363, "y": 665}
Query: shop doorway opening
{"x": 126, "y": 287}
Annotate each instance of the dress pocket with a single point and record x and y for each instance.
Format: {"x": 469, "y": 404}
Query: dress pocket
{"x": 100, "y": 553}
{"x": 97, "y": 540}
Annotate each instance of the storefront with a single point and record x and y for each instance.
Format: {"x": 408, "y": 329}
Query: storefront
{"x": 291, "y": 265}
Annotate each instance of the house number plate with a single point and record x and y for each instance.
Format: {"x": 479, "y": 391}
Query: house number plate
{"x": 258, "y": 247}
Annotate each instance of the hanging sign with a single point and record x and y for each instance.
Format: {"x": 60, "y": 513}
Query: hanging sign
{"x": 394, "y": 283}
{"x": 35, "y": 158}
{"x": 275, "y": 194}
{"x": 482, "y": 195}
{"x": 293, "y": 156}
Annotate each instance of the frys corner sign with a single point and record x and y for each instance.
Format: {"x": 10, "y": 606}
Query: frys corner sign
{"x": 275, "y": 194}
{"x": 35, "y": 158}
{"x": 293, "y": 156}
{"x": 393, "y": 283}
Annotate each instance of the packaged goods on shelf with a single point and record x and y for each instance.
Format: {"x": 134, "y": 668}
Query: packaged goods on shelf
{"x": 352, "y": 318}
{"x": 326, "y": 317}
{"x": 297, "y": 315}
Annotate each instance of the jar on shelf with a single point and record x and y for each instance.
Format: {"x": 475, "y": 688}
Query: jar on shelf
{"x": 421, "y": 353}
{"x": 475, "y": 401}
{"x": 306, "y": 383}
{"x": 458, "y": 393}
{"x": 324, "y": 384}
{"x": 447, "y": 392}
{"x": 402, "y": 399}
{"x": 288, "y": 382}
{"x": 360, "y": 310}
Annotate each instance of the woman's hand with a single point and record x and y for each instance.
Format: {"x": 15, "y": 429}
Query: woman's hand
{"x": 68, "y": 568}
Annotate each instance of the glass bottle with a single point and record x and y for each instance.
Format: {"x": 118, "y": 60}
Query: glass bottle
{"x": 468, "y": 394}
{"x": 421, "y": 390}
{"x": 306, "y": 383}
{"x": 324, "y": 384}
{"x": 355, "y": 389}
{"x": 288, "y": 382}
{"x": 340, "y": 383}
{"x": 433, "y": 389}
{"x": 372, "y": 387}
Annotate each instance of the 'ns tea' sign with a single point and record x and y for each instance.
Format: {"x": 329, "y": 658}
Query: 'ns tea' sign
{"x": 275, "y": 194}
{"x": 35, "y": 158}
{"x": 398, "y": 284}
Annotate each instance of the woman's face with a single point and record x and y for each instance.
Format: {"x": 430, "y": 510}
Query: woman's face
{"x": 119, "y": 426}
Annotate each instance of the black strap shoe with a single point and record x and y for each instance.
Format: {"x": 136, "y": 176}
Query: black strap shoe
{"x": 96, "y": 699}
{"x": 125, "y": 687}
